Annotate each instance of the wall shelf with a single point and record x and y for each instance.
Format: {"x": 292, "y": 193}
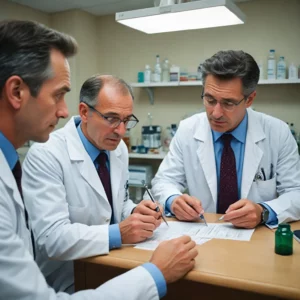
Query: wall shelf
{"x": 147, "y": 156}
{"x": 149, "y": 87}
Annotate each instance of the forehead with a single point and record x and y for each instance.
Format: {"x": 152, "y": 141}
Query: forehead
{"x": 60, "y": 71}
{"x": 221, "y": 87}
{"x": 115, "y": 99}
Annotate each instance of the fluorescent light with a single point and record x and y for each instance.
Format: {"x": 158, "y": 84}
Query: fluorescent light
{"x": 185, "y": 16}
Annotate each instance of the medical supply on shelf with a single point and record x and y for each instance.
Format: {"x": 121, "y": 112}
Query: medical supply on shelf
{"x": 271, "y": 65}
{"x": 293, "y": 71}
{"x": 165, "y": 71}
{"x": 281, "y": 68}
{"x": 174, "y": 73}
{"x": 157, "y": 70}
{"x": 147, "y": 74}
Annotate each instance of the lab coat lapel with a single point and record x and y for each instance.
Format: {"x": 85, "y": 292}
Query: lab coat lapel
{"x": 116, "y": 167}
{"x": 9, "y": 180}
{"x": 206, "y": 156}
{"x": 77, "y": 153}
{"x": 253, "y": 154}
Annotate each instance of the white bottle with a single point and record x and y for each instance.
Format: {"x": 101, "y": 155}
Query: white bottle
{"x": 281, "y": 68}
{"x": 292, "y": 71}
{"x": 271, "y": 65}
{"x": 165, "y": 71}
{"x": 174, "y": 73}
{"x": 157, "y": 70}
{"x": 147, "y": 74}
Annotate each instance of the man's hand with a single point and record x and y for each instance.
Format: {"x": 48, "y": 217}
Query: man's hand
{"x": 147, "y": 207}
{"x": 175, "y": 257}
{"x": 137, "y": 228}
{"x": 187, "y": 208}
{"x": 244, "y": 213}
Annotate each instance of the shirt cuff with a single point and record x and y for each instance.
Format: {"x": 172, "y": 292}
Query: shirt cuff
{"x": 158, "y": 278}
{"x": 168, "y": 211}
{"x": 272, "y": 220}
{"x": 114, "y": 235}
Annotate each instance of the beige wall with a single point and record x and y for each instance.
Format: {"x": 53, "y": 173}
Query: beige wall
{"x": 110, "y": 48}
{"x": 124, "y": 52}
{"x": 10, "y": 10}
{"x": 83, "y": 27}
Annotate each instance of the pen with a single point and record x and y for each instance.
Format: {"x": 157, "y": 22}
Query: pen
{"x": 221, "y": 218}
{"x": 264, "y": 175}
{"x": 271, "y": 173}
{"x": 201, "y": 217}
{"x": 157, "y": 207}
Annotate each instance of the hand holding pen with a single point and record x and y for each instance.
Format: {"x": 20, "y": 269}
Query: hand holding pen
{"x": 187, "y": 208}
{"x": 157, "y": 207}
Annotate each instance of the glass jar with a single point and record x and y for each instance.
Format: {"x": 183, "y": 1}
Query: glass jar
{"x": 284, "y": 240}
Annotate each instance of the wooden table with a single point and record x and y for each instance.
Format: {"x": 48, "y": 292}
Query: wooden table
{"x": 224, "y": 268}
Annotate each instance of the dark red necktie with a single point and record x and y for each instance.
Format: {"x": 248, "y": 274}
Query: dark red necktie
{"x": 17, "y": 172}
{"x": 104, "y": 176}
{"x": 228, "y": 190}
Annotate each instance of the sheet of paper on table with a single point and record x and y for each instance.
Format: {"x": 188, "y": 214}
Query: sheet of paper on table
{"x": 197, "y": 231}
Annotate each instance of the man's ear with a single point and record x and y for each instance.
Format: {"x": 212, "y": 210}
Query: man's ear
{"x": 16, "y": 91}
{"x": 250, "y": 99}
{"x": 83, "y": 112}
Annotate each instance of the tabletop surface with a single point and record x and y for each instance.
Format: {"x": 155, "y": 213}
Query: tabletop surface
{"x": 250, "y": 266}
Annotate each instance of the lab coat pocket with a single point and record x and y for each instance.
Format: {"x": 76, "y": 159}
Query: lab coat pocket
{"x": 266, "y": 189}
{"x": 79, "y": 214}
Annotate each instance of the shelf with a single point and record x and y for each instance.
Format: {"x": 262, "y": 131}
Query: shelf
{"x": 147, "y": 156}
{"x": 149, "y": 86}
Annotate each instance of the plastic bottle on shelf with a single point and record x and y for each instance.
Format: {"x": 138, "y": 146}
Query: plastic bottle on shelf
{"x": 165, "y": 71}
{"x": 293, "y": 72}
{"x": 199, "y": 72}
{"x": 147, "y": 74}
{"x": 157, "y": 70}
{"x": 174, "y": 73}
{"x": 281, "y": 68}
{"x": 271, "y": 65}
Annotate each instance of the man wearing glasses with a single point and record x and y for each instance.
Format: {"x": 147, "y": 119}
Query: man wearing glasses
{"x": 75, "y": 185}
{"x": 233, "y": 160}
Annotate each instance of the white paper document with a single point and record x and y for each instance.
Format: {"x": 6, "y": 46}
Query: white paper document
{"x": 197, "y": 231}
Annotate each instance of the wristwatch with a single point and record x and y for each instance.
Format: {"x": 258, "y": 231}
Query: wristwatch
{"x": 264, "y": 214}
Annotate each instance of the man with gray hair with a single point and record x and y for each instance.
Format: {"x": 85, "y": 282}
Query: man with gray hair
{"x": 233, "y": 160}
{"x": 82, "y": 171}
{"x": 34, "y": 78}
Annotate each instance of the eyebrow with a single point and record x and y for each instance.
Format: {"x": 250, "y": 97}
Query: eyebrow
{"x": 63, "y": 89}
{"x": 223, "y": 99}
{"x": 114, "y": 114}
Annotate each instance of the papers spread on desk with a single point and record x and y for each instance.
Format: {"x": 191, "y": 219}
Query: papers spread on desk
{"x": 197, "y": 231}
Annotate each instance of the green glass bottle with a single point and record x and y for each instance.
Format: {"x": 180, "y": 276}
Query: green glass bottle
{"x": 284, "y": 240}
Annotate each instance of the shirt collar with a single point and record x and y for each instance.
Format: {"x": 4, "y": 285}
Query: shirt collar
{"x": 92, "y": 151}
{"x": 238, "y": 133}
{"x": 9, "y": 151}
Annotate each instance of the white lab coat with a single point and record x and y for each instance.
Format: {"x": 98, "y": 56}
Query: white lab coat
{"x": 190, "y": 164}
{"x": 66, "y": 202}
{"x": 20, "y": 277}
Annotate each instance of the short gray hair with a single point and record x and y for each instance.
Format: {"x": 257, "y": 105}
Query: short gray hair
{"x": 91, "y": 87}
{"x": 25, "y": 51}
{"x": 232, "y": 64}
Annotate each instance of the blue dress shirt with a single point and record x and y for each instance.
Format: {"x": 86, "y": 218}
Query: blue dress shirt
{"x": 9, "y": 151}
{"x": 238, "y": 146}
{"x": 115, "y": 240}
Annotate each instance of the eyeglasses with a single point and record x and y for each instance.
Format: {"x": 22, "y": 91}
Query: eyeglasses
{"x": 227, "y": 105}
{"x": 114, "y": 122}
